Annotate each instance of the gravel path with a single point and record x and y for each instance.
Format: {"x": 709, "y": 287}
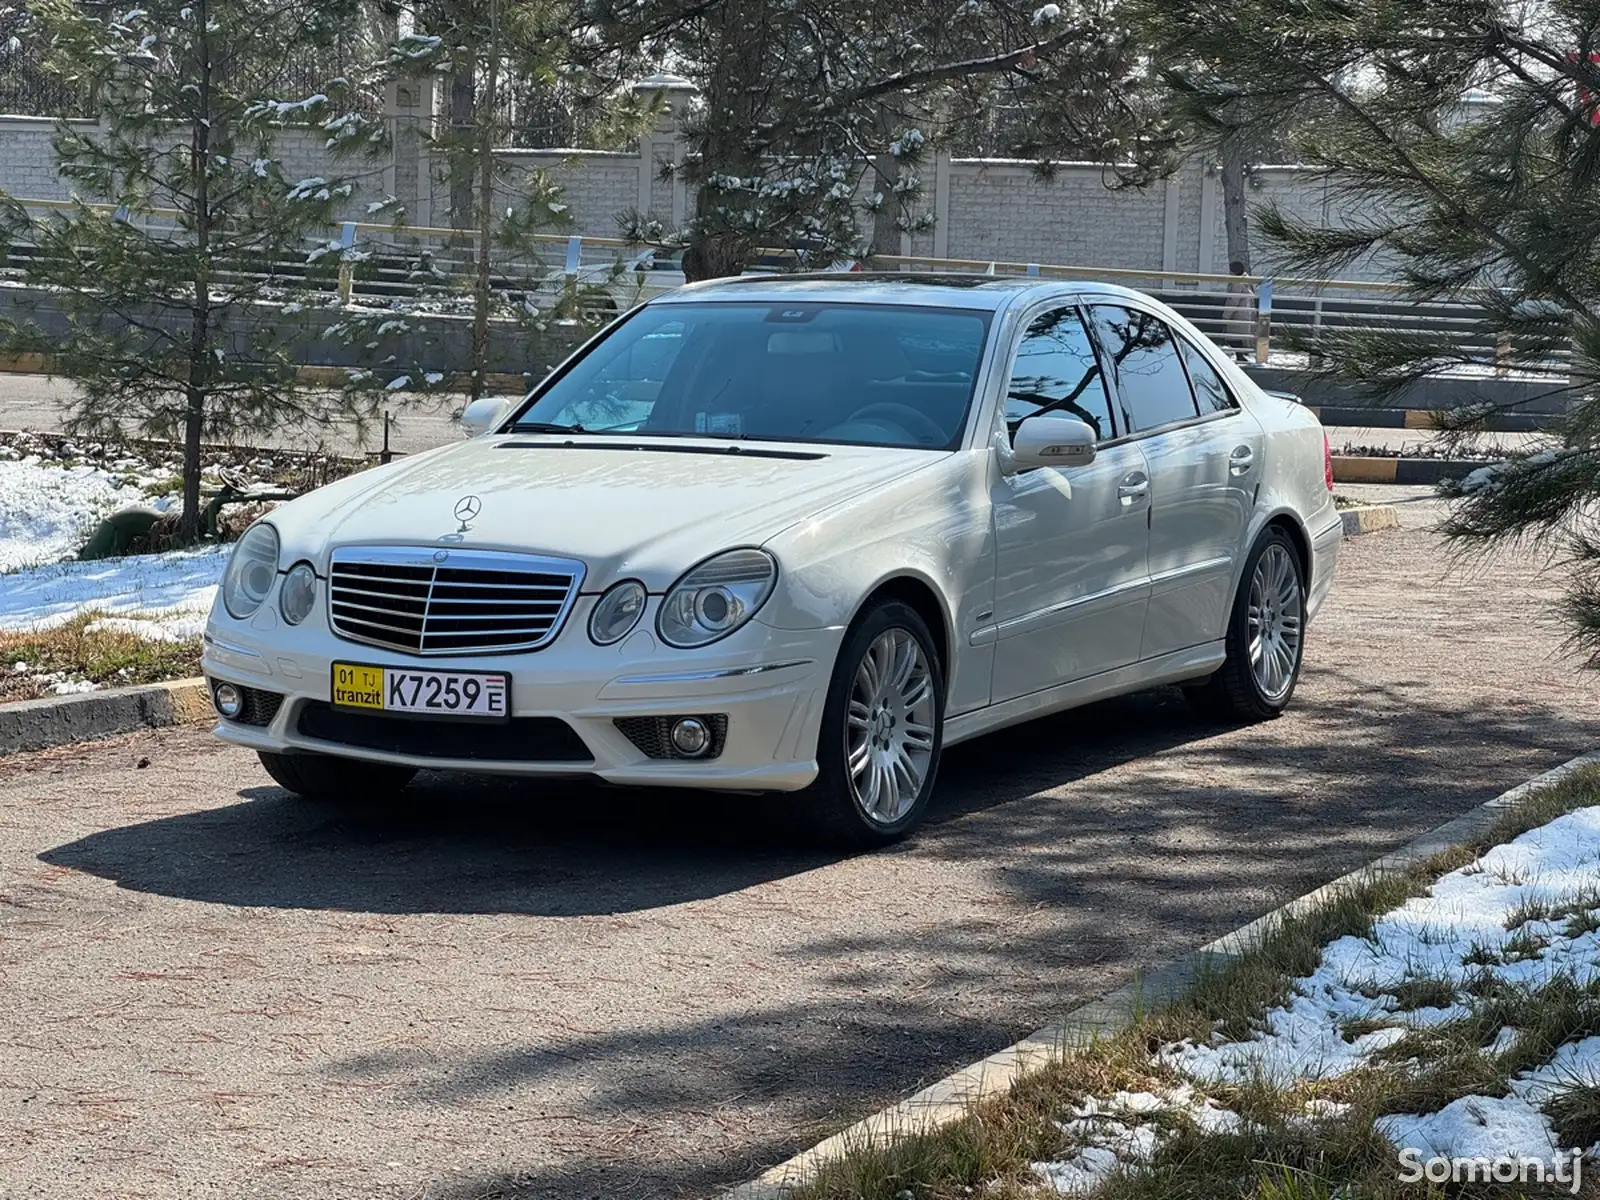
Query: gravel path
{"x": 207, "y": 990}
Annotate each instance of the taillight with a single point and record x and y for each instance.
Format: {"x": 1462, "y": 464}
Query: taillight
{"x": 1327, "y": 461}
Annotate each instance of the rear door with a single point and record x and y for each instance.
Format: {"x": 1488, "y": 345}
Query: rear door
{"x": 1203, "y": 454}
{"x": 1070, "y": 544}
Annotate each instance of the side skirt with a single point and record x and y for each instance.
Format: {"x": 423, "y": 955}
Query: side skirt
{"x": 1174, "y": 667}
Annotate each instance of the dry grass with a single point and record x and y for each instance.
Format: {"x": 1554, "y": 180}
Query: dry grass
{"x": 111, "y": 659}
{"x": 1280, "y": 1155}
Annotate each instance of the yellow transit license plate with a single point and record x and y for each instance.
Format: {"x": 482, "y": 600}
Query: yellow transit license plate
{"x": 472, "y": 694}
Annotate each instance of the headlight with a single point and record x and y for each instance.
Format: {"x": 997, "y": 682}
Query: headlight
{"x": 298, "y": 593}
{"x": 716, "y": 597}
{"x": 251, "y": 570}
{"x": 617, "y": 612}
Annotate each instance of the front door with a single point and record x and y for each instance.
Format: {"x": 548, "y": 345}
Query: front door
{"x": 1071, "y": 578}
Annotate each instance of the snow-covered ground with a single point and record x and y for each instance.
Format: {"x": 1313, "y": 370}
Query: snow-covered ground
{"x": 47, "y": 512}
{"x": 162, "y": 596}
{"x": 1524, "y": 913}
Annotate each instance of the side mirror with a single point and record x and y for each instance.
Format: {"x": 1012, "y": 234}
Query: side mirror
{"x": 1051, "y": 441}
{"x": 484, "y": 414}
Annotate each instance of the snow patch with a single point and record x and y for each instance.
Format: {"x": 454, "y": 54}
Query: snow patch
{"x": 46, "y": 513}
{"x": 171, "y": 593}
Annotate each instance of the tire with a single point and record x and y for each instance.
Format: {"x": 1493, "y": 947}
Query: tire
{"x": 1259, "y": 689}
{"x": 877, "y": 806}
{"x": 325, "y": 777}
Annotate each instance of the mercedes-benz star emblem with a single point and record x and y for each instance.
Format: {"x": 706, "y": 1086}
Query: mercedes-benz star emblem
{"x": 467, "y": 508}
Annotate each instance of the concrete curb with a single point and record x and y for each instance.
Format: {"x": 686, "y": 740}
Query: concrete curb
{"x": 59, "y": 721}
{"x": 1352, "y": 468}
{"x": 1370, "y": 518}
{"x": 949, "y": 1099}
{"x": 1357, "y": 417}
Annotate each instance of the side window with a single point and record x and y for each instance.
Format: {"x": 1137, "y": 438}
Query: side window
{"x": 1055, "y": 370}
{"x": 1143, "y": 359}
{"x": 1209, "y": 389}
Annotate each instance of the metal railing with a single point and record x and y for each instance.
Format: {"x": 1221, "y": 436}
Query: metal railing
{"x": 1258, "y": 318}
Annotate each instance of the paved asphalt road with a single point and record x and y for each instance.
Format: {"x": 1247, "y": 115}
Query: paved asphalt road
{"x": 35, "y": 402}
{"x": 210, "y": 990}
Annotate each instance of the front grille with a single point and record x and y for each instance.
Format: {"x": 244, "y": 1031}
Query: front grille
{"x": 652, "y": 735}
{"x": 521, "y": 739}
{"x": 423, "y": 601}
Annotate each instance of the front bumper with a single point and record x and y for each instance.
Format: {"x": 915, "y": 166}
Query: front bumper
{"x": 771, "y": 685}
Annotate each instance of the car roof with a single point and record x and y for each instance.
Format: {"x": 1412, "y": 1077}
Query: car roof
{"x": 942, "y": 290}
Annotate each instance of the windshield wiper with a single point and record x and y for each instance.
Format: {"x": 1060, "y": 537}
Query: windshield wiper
{"x": 546, "y": 427}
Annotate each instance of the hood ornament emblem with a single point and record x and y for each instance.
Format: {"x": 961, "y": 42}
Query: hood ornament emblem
{"x": 467, "y": 508}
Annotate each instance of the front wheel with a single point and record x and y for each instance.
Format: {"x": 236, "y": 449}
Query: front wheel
{"x": 326, "y": 777}
{"x": 1266, "y": 636}
{"x": 878, "y": 752}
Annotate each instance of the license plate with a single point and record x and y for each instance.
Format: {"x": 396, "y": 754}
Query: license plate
{"x": 421, "y": 693}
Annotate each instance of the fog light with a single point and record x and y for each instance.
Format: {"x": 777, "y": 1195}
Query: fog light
{"x": 691, "y": 737}
{"x": 228, "y": 699}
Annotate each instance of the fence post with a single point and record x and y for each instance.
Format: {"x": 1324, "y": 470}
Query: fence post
{"x": 1263, "y": 322}
{"x": 1502, "y": 352}
{"x": 347, "y": 269}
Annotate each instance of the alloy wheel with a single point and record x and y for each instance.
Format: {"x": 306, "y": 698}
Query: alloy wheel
{"x": 1274, "y": 622}
{"x": 889, "y": 727}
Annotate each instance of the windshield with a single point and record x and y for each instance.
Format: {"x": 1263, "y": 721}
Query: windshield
{"x": 854, "y": 374}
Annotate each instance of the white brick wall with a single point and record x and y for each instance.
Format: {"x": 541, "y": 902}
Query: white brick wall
{"x": 27, "y": 163}
{"x": 992, "y": 210}
{"x": 1001, "y": 210}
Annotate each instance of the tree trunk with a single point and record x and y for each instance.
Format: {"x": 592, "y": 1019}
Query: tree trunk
{"x": 714, "y": 256}
{"x": 484, "y": 144}
{"x": 734, "y": 102}
{"x": 200, "y": 332}
{"x": 459, "y": 156}
{"x": 1235, "y": 212}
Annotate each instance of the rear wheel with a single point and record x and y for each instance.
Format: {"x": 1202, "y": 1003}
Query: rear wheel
{"x": 325, "y": 777}
{"x": 878, "y": 752}
{"x": 1266, "y": 636}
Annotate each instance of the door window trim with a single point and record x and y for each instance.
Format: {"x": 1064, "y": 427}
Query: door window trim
{"x": 1024, "y": 322}
{"x": 1089, "y": 301}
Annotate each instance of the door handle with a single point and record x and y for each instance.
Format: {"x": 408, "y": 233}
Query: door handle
{"x": 1134, "y": 487}
{"x": 1241, "y": 460}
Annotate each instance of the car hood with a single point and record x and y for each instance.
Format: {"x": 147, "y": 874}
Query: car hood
{"x": 642, "y": 508}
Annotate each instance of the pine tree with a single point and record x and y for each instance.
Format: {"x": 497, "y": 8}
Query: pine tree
{"x": 490, "y": 51}
{"x": 1495, "y": 205}
{"x": 187, "y": 266}
{"x": 814, "y": 115}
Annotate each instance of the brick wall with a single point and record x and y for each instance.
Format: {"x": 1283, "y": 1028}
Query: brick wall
{"x": 27, "y": 163}
{"x": 1000, "y": 210}
{"x": 987, "y": 209}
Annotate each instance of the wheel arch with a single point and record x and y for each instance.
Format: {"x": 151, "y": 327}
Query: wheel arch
{"x": 923, "y": 597}
{"x": 1290, "y": 524}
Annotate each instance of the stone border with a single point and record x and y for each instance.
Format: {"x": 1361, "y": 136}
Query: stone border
{"x": 1354, "y": 468}
{"x": 57, "y": 721}
{"x": 1369, "y": 518}
{"x": 949, "y": 1099}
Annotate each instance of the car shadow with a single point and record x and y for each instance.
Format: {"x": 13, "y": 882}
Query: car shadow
{"x": 483, "y": 844}
{"x": 479, "y": 844}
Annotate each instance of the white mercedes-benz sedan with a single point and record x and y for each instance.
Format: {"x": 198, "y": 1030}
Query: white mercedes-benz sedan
{"x": 796, "y": 535}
